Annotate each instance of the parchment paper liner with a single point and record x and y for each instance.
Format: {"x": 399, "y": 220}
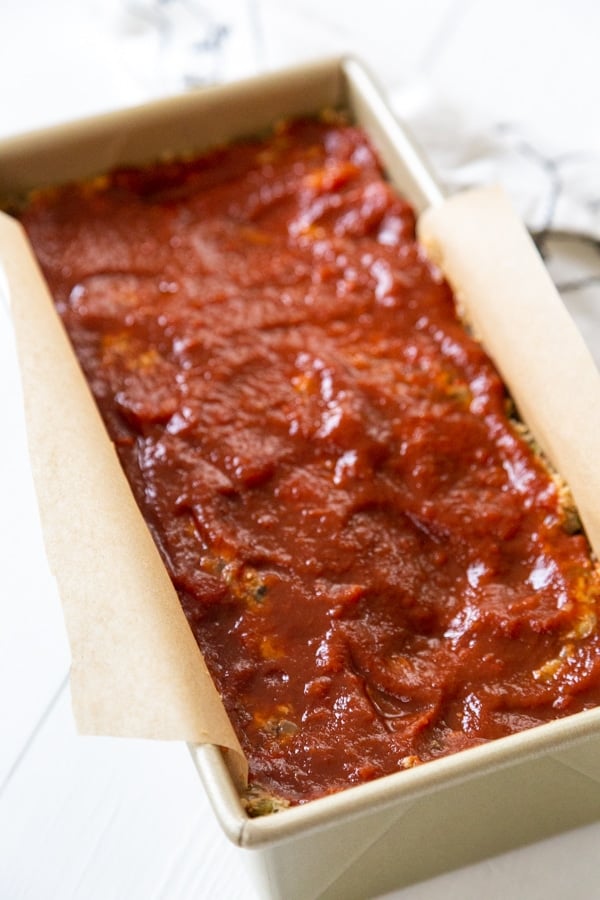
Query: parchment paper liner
{"x": 484, "y": 250}
{"x": 136, "y": 669}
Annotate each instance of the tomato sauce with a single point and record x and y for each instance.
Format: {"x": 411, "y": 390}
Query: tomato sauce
{"x": 376, "y": 565}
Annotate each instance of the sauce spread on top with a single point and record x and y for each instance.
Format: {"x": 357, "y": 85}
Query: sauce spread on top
{"x": 375, "y": 564}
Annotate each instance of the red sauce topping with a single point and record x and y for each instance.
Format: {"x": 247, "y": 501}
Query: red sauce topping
{"x": 373, "y": 561}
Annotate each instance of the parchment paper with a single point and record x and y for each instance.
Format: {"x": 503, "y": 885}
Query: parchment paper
{"x": 136, "y": 668}
{"x": 497, "y": 275}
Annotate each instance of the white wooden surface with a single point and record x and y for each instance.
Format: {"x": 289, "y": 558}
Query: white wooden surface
{"x": 506, "y": 91}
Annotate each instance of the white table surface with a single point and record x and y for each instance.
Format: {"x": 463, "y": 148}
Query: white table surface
{"x": 505, "y": 90}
